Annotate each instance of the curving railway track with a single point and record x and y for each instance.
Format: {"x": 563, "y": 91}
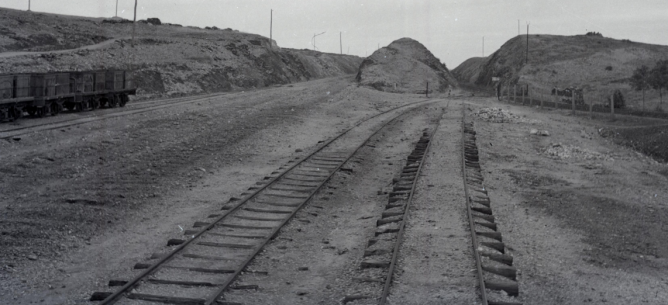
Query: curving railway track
{"x": 203, "y": 265}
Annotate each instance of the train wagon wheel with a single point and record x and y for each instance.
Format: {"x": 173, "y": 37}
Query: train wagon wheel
{"x": 94, "y": 104}
{"x": 31, "y": 111}
{"x": 16, "y": 113}
{"x": 124, "y": 100}
{"x": 41, "y": 112}
{"x": 56, "y": 109}
{"x": 113, "y": 102}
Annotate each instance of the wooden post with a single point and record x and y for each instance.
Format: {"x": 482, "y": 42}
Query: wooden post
{"x": 529, "y": 95}
{"x": 427, "y": 92}
{"x": 542, "y": 97}
{"x": 573, "y": 102}
{"x": 554, "y": 99}
{"x": 508, "y": 92}
{"x": 523, "y": 94}
{"x": 515, "y": 94}
{"x": 612, "y": 106}
{"x": 134, "y": 23}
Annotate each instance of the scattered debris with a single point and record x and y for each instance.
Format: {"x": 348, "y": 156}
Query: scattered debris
{"x": 498, "y": 115}
{"x": 561, "y": 151}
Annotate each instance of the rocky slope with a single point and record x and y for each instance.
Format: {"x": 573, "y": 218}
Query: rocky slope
{"x": 168, "y": 59}
{"x": 405, "y": 66}
{"x": 598, "y": 64}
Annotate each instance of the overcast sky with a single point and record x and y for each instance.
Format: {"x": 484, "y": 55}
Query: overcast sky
{"x": 452, "y": 30}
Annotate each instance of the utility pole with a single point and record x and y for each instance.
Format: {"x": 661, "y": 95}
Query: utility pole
{"x": 28, "y": 5}
{"x": 271, "y": 26}
{"x": 116, "y": 8}
{"x": 518, "y": 27}
{"x": 483, "y": 46}
{"x": 340, "y": 43}
{"x": 527, "y": 56}
{"x": 314, "y": 35}
{"x": 134, "y": 24}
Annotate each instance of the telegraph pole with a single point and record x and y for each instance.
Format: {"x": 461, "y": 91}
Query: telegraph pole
{"x": 518, "y": 27}
{"x": 134, "y": 24}
{"x": 116, "y": 8}
{"x": 340, "y": 43}
{"x": 527, "y": 57}
{"x": 28, "y": 5}
{"x": 271, "y": 25}
{"x": 314, "y": 35}
{"x": 483, "y": 46}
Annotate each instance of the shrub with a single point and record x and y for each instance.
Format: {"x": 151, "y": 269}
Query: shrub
{"x": 608, "y": 68}
{"x": 618, "y": 98}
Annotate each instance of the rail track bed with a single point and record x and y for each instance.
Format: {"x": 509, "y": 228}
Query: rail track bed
{"x": 496, "y": 273}
{"x": 200, "y": 267}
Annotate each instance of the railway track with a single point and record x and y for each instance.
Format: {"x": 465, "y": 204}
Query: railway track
{"x": 132, "y": 108}
{"x": 203, "y": 265}
{"x": 382, "y": 251}
{"x": 496, "y": 273}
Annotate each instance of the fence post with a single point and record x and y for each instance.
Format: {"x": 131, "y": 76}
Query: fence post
{"x": 542, "y": 97}
{"x": 530, "y": 99}
{"x": 508, "y": 92}
{"x": 573, "y": 102}
{"x": 515, "y": 94}
{"x": 523, "y": 94}
{"x": 612, "y": 106}
{"x": 555, "y": 96}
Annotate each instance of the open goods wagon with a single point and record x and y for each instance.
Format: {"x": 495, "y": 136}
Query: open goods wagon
{"x": 39, "y": 94}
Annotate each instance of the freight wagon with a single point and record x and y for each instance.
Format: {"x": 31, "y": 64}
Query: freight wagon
{"x": 39, "y": 94}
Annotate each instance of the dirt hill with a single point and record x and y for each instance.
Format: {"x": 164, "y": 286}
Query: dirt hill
{"x": 405, "y": 66}
{"x": 468, "y": 71}
{"x": 598, "y": 64}
{"x": 169, "y": 59}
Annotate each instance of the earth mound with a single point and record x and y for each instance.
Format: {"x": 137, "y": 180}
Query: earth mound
{"x": 405, "y": 66}
{"x": 166, "y": 61}
{"x": 597, "y": 64}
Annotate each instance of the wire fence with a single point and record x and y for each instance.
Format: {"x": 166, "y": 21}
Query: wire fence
{"x": 576, "y": 101}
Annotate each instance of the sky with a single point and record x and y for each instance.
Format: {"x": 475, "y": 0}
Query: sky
{"x": 452, "y": 30}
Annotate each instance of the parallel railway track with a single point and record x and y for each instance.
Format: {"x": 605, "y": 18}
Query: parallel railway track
{"x": 202, "y": 266}
{"x": 496, "y": 273}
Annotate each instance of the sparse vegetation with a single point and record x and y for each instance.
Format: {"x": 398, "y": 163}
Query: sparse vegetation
{"x": 640, "y": 81}
{"x": 594, "y": 34}
{"x": 618, "y": 99}
{"x": 659, "y": 78}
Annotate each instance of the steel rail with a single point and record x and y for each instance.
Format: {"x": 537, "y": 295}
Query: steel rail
{"x": 474, "y": 239}
{"x": 130, "y": 284}
{"x": 400, "y": 234}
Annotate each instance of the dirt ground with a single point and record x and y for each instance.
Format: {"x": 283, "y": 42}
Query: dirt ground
{"x": 582, "y": 215}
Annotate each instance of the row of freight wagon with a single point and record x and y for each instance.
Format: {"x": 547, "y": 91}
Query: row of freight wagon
{"x": 39, "y": 94}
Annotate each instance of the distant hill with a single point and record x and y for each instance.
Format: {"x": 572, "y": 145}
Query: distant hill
{"x": 468, "y": 71}
{"x": 405, "y": 65}
{"x": 169, "y": 59}
{"x": 598, "y": 64}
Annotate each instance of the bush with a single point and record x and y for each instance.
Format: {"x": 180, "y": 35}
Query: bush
{"x": 608, "y": 68}
{"x": 618, "y": 98}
